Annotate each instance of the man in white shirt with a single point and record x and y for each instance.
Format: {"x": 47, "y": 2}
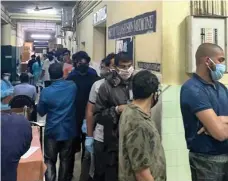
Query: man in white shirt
{"x": 45, "y": 74}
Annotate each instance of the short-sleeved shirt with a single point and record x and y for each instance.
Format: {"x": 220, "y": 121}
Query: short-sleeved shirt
{"x": 25, "y": 89}
{"x": 198, "y": 95}
{"x": 98, "y": 133}
{"x": 45, "y": 67}
{"x": 139, "y": 146}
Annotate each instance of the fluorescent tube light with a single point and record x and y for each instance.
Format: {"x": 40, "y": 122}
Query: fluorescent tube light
{"x": 47, "y": 11}
{"x": 37, "y": 41}
{"x": 41, "y": 36}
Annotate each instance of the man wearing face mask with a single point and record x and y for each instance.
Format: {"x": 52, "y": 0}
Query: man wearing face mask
{"x": 113, "y": 96}
{"x": 141, "y": 155}
{"x": 84, "y": 79}
{"x": 204, "y": 103}
{"x": 105, "y": 69}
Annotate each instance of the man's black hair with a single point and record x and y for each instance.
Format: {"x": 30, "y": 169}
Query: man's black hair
{"x": 66, "y": 52}
{"x": 144, "y": 83}
{"x": 24, "y": 78}
{"x": 122, "y": 57}
{"x": 55, "y": 71}
{"x": 81, "y": 55}
{"x": 33, "y": 56}
{"x": 107, "y": 60}
{"x": 50, "y": 56}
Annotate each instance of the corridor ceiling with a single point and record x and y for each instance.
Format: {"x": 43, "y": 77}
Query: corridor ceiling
{"x": 22, "y": 6}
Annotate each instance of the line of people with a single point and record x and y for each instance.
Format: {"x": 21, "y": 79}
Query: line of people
{"x": 108, "y": 119}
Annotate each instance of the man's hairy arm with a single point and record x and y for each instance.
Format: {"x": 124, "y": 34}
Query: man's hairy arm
{"x": 216, "y": 125}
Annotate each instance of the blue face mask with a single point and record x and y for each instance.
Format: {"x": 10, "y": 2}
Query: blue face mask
{"x": 218, "y": 72}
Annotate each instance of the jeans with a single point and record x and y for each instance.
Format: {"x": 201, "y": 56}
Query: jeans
{"x": 208, "y": 167}
{"x": 51, "y": 150}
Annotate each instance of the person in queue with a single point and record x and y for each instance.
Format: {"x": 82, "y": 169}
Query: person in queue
{"x": 113, "y": 96}
{"x": 30, "y": 64}
{"x": 84, "y": 77}
{"x": 6, "y": 90}
{"x": 24, "y": 88}
{"x": 107, "y": 64}
{"x": 141, "y": 155}
{"x": 67, "y": 66}
{"x": 45, "y": 69}
{"x": 37, "y": 70}
{"x": 57, "y": 102}
{"x": 204, "y": 103}
{"x": 75, "y": 69}
{"x": 16, "y": 135}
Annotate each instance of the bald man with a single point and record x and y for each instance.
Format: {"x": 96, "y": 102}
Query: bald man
{"x": 204, "y": 107}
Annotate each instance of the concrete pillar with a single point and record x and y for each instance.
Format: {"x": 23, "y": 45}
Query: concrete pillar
{"x": 6, "y": 34}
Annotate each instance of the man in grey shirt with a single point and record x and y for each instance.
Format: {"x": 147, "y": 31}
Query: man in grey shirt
{"x": 25, "y": 88}
{"x": 97, "y": 134}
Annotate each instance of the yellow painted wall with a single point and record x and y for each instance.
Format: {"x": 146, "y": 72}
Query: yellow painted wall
{"x": 173, "y": 41}
{"x": 13, "y": 38}
{"x": 147, "y": 46}
{"x": 85, "y": 34}
{"x": 6, "y": 34}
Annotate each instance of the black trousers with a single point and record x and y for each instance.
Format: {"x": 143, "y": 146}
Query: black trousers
{"x": 106, "y": 163}
{"x": 85, "y": 167}
{"x": 208, "y": 167}
{"x": 51, "y": 150}
{"x": 99, "y": 174}
{"x": 78, "y": 145}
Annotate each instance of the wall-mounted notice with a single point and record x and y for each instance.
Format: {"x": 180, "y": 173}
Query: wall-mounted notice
{"x": 126, "y": 45}
{"x": 150, "y": 66}
{"x": 141, "y": 24}
{"x": 209, "y": 35}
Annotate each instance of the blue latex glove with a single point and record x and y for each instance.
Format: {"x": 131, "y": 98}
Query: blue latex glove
{"x": 84, "y": 127}
{"x": 89, "y": 144}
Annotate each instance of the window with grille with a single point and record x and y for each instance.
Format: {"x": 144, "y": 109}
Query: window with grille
{"x": 209, "y": 8}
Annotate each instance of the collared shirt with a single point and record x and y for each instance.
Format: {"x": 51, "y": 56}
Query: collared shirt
{"x": 16, "y": 137}
{"x": 139, "y": 145}
{"x": 57, "y": 101}
{"x": 198, "y": 95}
{"x": 25, "y": 89}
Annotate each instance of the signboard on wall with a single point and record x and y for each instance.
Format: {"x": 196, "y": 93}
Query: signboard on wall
{"x": 156, "y": 67}
{"x": 141, "y": 24}
{"x": 126, "y": 45}
{"x": 100, "y": 16}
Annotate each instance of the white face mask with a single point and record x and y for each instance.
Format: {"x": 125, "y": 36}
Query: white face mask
{"x": 126, "y": 74}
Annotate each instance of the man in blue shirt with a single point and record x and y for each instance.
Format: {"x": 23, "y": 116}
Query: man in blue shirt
{"x": 25, "y": 88}
{"x": 84, "y": 77}
{"x": 57, "y": 101}
{"x": 204, "y": 106}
